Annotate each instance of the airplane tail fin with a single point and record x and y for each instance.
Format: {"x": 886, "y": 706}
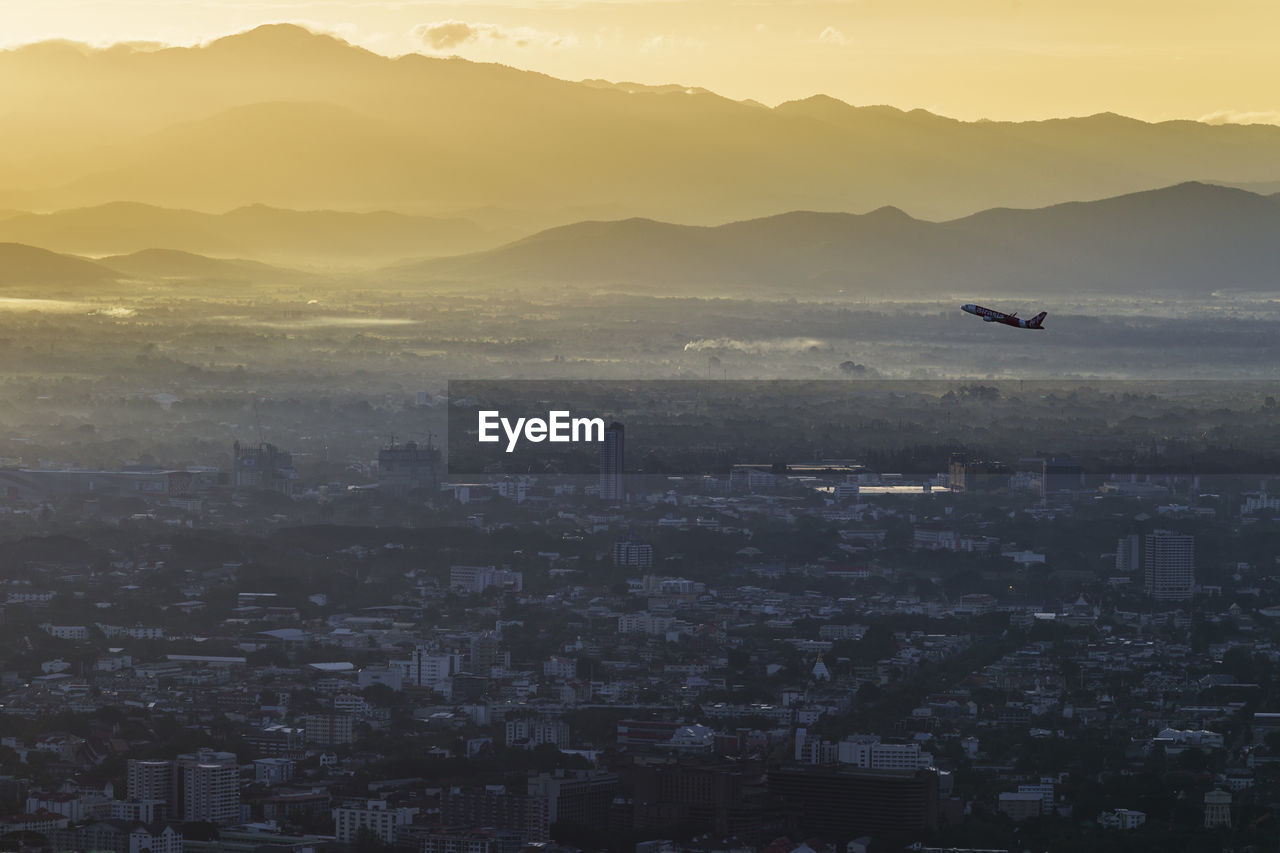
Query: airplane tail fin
{"x": 1037, "y": 320}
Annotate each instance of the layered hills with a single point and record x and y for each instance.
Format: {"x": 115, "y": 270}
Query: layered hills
{"x": 283, "y": 117}
{"x": 1191, "y": 239}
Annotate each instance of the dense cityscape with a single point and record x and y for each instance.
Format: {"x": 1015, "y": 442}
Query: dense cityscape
{"x": 786, "y": 657}
{"x": 639, "y": 426}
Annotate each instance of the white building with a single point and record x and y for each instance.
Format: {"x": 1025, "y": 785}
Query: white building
{"x": 479, "y": 578}
{"x": 211, "y": 792}
{"x": 74, "y": 807}
{"x": 529, "y": 733}
{"x": 1175, "y": 741}
{"x": 1257, "y": 501}
{"x": 560, "y": 668}
{"x": 813, "y": 750}
{"x": 149, "y": 780}
{"x": 645, "y": 622}
{"x": 375, "y": 817}
{"x": 79, "y": 633}
{"x": 351, "y": 703}
{"x": 867, "y": 752}
{"x": 1045, "y": 788}
{"x": 136, "y": 632}
{"x": 428, "y": 668}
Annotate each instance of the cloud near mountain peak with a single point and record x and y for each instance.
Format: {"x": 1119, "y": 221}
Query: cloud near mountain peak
{"x": 448, "y": 35}
{"x": 1242, "y": 117}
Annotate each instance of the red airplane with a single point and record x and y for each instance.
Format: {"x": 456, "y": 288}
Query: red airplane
{"x": 989, "y": 316}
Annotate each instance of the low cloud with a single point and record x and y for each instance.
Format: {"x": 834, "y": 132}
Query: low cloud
{"x": 755, "y": 347}
{"x": 832, "y": 36}
{"x": 448, "y": 35}
{"x": 1242, "y": 117}
{"x": 668, "y": 43}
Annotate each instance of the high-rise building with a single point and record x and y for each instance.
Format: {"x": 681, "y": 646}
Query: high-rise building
{"x": 1128, "y": 555}
{"x": 957, "y": 469}
{"x": 208, "y": 787}
{"x": 974, "y": 475}
{"x": 1062, "y": 475}
{"x": 428, "y": 667}
{"x": 149, "y": 780}
{"x": 579, "y": 797}
{"x": 203, "y": 786}
{"x": 265, "y": 467}
{"x": 719, "y": 799}
{"x": 484, "y": 652}
{"x": 404, "y": 467}
{"x": 1169, "y": 562}
{"x": 637, "y": 554}
{"x": 211, "y": 793}
{"x": 842, "y": 804}
{"x": 494, "y": 807}
{"x": 329, "y": 729}
{"x": 611, "y": 462}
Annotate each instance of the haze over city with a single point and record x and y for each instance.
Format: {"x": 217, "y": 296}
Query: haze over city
{"x": 916, "y": 365}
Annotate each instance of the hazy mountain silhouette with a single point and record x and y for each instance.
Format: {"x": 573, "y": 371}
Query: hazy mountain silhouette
{"x": 22, "y": 265}
{"x": 27, "y": 265}
{"x": 1189, "y": 238}
{"x": 286, "y": 236}
{"x": 288, "y": 118}
{"x": 174, "y": 264}
{"x": 644, "y": 88}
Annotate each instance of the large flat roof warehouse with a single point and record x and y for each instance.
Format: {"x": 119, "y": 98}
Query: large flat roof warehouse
{"x": 333, "y": 666}
{"x": 212, "y": 660}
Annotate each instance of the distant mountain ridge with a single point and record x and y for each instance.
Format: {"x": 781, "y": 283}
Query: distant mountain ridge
{"x": 175, "y": 264}
{"x": 1190, "y": 238}
{"x": 24, "y": 267}
{"x": 260, "y": 232}
{"x": 29, "y": 265}
{"x": 292, "y": 119}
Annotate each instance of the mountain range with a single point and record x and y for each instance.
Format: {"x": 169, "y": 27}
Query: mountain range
{"x": 23, "y": 266}
{"x": 28, "y": 265}
{"x": 286, "y": 118}
{"x": 264, "y": 233}
{"x": 1189, "y": 239}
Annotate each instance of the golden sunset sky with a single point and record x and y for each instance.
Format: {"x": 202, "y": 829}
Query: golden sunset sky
{"x": 1000, "y": 59}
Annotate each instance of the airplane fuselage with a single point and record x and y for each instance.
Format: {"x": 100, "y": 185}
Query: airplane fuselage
{"x": 989, "y": 315}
